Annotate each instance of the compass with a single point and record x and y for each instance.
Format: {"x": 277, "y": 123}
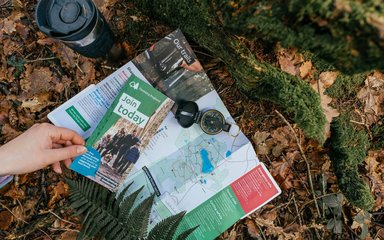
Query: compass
{"x": 212, "y": 121}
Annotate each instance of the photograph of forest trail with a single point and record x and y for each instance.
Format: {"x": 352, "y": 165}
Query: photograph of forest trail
{"x": 304, "y": 80}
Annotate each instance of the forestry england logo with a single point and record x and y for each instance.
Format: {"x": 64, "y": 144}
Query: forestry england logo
{"x": 134, "y": 85}
{"x": 127, "y": 108}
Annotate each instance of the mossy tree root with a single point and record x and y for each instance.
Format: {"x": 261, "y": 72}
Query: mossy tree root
{"x": 349, "y": 146}
{"x": 255, "y": 78}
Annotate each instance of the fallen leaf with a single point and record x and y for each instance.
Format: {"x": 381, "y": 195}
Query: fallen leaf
{"x": 86, "y": 74}
{"x": 362, "y": 220}
{"x": 375, "y": 170}
{"x": 67, "y": 56}
{"x": 272, "y": 230}
{"x": 372, "y": 97}
{"x": 22, "y": 30}
{"x": 252, "y": 229}
{"x": 232, "y": 235}
{"x": 281, "y": 171}
{"x": 36, "y": 80}
{"x": 58, "y": 191}
{"x": 325, "y": 80}
{"x": 6, "y": 219}
{"x": 9, "y": 133}
{"x": 69, "y": 235}
{"x": 37, "y": 103}
{"x": 328, "y": 78}
{"x": 305, "y": 69}
{"x": 289, "y": 60}
{"x": 377, "y": 21}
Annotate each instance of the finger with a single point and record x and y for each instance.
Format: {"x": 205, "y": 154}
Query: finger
{"x": 55, "y": 155}
{"x": 60, "y": 133}
{"x": 63, "y": 142}
{"x": 56, "y": 145}
{"x": 56, "y": 167}
{"x": 68, "y": 162}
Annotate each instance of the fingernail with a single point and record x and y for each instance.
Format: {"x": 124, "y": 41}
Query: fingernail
{"x": 81, "y": 150}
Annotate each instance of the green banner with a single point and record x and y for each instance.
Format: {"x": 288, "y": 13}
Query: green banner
{"x": 214, "y": 215}
{"x": 76, "y": 116}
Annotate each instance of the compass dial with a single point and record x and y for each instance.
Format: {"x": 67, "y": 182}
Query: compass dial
{"x": 212, "y": 122}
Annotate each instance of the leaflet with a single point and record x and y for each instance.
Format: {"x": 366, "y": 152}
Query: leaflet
{"x": 83, "y": 112}
{"x": 122, "y": 134}
{"x": 5, "y": 180}
{"x": 217, "y": 179}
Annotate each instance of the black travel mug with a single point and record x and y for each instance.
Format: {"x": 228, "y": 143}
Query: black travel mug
{"x": 77, "y": 23}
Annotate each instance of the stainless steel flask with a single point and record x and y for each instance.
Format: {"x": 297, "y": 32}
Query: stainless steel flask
{"x": 77, "y": 23}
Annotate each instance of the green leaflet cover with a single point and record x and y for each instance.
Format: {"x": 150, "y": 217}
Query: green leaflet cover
{"x": 125, "y": 130}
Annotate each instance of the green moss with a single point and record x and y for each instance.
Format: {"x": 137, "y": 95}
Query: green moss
{"x": 343, "y": 38}
{"x": 345, "y": 86}
{"x": 349, "y": 147}
{"x": 257, "y": 79}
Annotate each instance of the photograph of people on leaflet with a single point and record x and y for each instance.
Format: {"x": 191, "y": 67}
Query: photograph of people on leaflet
{"x": 171, "y": 66}
{"x": 131, "y": 156}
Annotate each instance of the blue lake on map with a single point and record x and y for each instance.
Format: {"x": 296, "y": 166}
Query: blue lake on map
{"x": 228, "y": 153}
{"x": 207, "y": 166}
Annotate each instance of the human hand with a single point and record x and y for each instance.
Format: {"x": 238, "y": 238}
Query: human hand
{"x": 41, "y": 145}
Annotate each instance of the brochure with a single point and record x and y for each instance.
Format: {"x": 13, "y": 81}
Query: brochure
{"x": 217, "y": 179}
{"x": 5, "y": 180}
{"x": 124, "y": 131}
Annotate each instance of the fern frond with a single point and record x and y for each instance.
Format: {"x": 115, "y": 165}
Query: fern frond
{"x": 126, "y": 206}
{"x": 166, "y": 228}
{"x": 138, "y": 220}
{"x": 186, "y": 233}
{"x": 111, "y": 217}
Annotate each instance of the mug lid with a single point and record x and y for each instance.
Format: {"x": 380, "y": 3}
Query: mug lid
{"x": 63, "y": 17}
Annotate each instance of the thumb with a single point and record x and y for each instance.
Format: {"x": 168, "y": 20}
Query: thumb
{"x": 60, "y": 154}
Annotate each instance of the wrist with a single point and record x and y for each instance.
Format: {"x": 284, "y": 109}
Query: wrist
{"x": 5, "y": 162}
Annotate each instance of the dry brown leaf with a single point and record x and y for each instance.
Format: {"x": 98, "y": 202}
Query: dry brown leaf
{"x": 289, "y": 60}
{"x": 60, "y": 190}
{"x": 281, "y": 171}
{"x": 9, "y": 26}
{"x": 377, "y": 21}
{"x": 6, "y": 219}
{"x": 252, "y": 229}
{"x": 305, "y": 69}
{"x": 36, "y": 80}
{"x": 375, "y": 167}
{"x": 9, "y": 133}
{"x": 232, "y": 234}
{"x": 87, "y": 75}
{"x": 325, "y": 80}
{"x": 272, "y": 230}
{"x": 38, "y": 102}
{"x": 67, "y": 56}
{"x": 69, "y": 235}
{"x": 328, "y": 78}
{"x": 372, "y": 97}
{"x": 22, "y": 30}
{"x": 46, "y": 41}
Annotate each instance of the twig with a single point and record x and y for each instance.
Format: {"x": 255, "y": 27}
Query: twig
{"x": 261, "y": 230}
{"x": 297, "y": 210}
{"x": 108, "y": 67}
{"x": 64, "y": 229}
{"x": 360, "y": 123}
{"x": 61, "y": 219}
{"x": 9, "y": 210}
{"x": 305, "y": 159}
{"x": 319, "y": 197}
{"x": 40, "y": 59}
{"x": 44, "y": 233}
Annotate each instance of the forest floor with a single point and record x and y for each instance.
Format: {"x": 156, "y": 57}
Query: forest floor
{"x": 38, "y": 74}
